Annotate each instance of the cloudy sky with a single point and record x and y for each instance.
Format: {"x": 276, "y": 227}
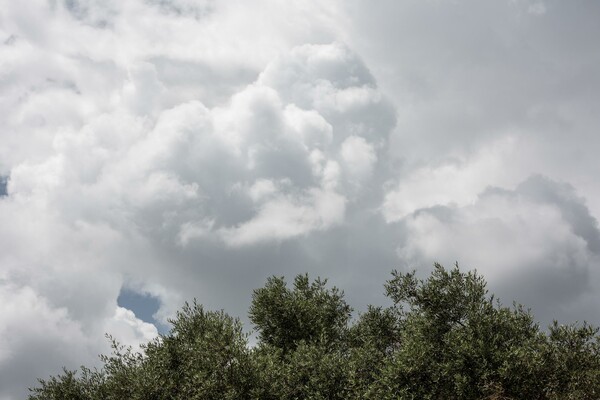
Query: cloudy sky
{"x": 153, "y": 151}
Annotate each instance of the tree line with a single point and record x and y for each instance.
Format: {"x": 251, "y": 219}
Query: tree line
{"x": 443, "y": 337}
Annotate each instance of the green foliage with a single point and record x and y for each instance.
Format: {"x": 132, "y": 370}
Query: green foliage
{"x": 574, "y": 352}
{"x": 444, "y": 337}
{"x": 204, "y": 357}
{"x": 312, "y": 371}
{"x": 309, "y": 312}
{"x": 456, "y": 342}
{"x": 65, "y": 386}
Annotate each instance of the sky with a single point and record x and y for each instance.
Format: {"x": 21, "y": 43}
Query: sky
{"x": 157, "y": 151}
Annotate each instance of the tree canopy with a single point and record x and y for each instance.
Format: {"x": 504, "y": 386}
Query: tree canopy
{"x": 444, "y": 337}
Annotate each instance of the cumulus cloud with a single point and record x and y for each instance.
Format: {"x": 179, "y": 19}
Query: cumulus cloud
{"x": 284, "y": 218}
{"x": 32, "y": 332}
{"x": 455, "y": 181}
{"x": 358, "y": 157}
{"x": 35, "y": 334}
{"x": 132, "y": 180}
{"x": 465, "y": 73}
{"x": 537, "y": 244}
{"x": 129, "y": 329}
{"x": 188, "y": 149}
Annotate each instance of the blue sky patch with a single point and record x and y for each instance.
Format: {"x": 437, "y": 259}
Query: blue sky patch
{"x": 143, "y": 306}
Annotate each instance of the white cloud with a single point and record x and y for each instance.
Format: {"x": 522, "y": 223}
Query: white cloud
{"x": 194, "y": 230}
{"x": 457, "y": 181}
{"x": 310, "y": 126}
{"x": 35, "y": 334}
{"x": 537, "y": 243}
{"x": 283, "y": 218}
{"x": 129, "y": 329}
{"x": 359, "y": 157}
{"x": 261, "y": 189}
{"x": 137, "y": 140}
{"x": 189, "y": 148}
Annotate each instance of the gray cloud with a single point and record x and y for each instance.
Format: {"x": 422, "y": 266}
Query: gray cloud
{"x": 466, "y": 74}
{"x": 184, "y": 149}
{"x": 3, "y": 186}
{"x": 536, "y": 244}
{"x": 573, "y": 208}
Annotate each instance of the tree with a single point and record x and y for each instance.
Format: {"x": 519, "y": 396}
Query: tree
{"x": 307, "y": 313}
{"x": 444, "y": 337}
{"x": 205, "y": 356}
{"x": 573, "y": 354}
{"x": 64, "y": 386}
{"x": 457, "y": 342}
